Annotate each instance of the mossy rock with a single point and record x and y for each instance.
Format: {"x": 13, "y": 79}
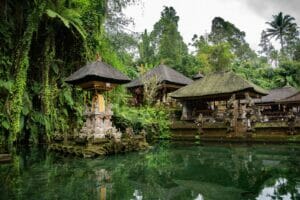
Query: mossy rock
{"x": 70, "y": 137}
{"x": 81, "y": 141}
{"x": 100, "y": 141}
{"x": 57, "y": 138}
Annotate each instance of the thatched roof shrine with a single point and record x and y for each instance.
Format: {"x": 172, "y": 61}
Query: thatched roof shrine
{"x": 219, "y": 86}
{"x": 277, "y": 95}
{"x": 164, "y": 74}
{"x": 97, "y": 71}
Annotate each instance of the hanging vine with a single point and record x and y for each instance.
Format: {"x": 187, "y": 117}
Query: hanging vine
{"x": 49, "y": 54}
{"x": 22, "y": 63}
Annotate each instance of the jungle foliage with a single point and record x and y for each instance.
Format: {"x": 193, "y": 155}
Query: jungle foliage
{"x": 44, "y": 41}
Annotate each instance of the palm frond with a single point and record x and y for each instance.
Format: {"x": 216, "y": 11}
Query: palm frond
{"x": 69, "y": 18}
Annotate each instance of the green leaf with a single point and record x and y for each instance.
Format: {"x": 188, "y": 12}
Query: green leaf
{"x": 55, "y": 68}
{"x": 53, "y": 14}
{"x": 6, "y": 86}
{"x": 25, "y": 110}
{"x": 75, "y": 22}
{"x": 5, "y": 125}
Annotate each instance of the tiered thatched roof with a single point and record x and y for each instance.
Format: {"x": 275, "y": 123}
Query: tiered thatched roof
{"x": 277, "y": 95}
{"x": 97, "y": 71}
{"x": 220, "y": 85}
{"x": 164, "y": 74}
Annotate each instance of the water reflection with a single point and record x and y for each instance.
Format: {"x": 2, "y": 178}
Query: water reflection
{"x": 199, "y": 197}
{"x": 276, "y": 191}
{"x": 167, "y": 171}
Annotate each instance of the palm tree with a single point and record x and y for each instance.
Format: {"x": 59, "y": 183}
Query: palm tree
{"x": 281, "y": 26}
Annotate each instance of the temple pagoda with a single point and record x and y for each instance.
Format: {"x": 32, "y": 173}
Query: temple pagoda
{"x": 168, "y": 80}
{"x": 98, "y": 77}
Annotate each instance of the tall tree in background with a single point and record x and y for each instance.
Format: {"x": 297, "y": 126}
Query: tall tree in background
{"x": 167, "y": 41}
{"x": 265, "y": 45}
{"x": 267, "y": 49}
{"x": 282, "y": 28}
{"x": 224, "y": 31}
{"x": 212, "y": 57}
{"x": 146, "y": 49}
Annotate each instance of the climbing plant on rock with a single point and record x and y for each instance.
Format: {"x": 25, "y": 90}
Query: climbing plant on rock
{"x": 21, "y": 64}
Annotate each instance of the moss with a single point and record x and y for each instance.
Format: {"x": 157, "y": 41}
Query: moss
{"x": 107, "y": 148}
{"x": 271, "y": 125}
{"x": 216, "y": 84}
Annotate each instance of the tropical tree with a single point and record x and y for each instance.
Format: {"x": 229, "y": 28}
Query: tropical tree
{"x": 167, "y": 41}
{"x": 281, "y": 28}
{"x": 213, "y": 57}
{"x": 146, "y": 49}
{"x": 224, "y": 31}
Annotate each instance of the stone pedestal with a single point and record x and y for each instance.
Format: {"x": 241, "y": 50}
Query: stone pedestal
{"x": 98, "y": 123}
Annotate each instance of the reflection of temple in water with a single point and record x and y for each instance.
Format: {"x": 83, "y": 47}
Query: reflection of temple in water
{"x": 104, "y": 184}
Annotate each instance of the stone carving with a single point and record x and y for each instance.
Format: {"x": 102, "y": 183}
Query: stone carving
{"x": 98, "y": 124}
{"x": 252, "y": 113}
{"x": 230, "y": 118}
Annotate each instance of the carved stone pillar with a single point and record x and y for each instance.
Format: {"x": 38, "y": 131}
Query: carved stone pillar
{"x": 186, "y": 111}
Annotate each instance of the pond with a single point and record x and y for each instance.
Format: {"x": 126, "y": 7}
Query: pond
{"x": 167, "y": 171}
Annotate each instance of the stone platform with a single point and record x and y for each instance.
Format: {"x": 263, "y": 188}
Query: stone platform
{"x": 100, "y": 147}
{"x": 264, "y": 132}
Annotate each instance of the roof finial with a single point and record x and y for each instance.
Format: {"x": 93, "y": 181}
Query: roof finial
{"x": 98, "y": 57}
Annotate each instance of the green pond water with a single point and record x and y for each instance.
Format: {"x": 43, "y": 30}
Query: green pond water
{"x": 167, "y": 171}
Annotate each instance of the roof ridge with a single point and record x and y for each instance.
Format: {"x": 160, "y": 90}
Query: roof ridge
{"x": 164, "y": 69}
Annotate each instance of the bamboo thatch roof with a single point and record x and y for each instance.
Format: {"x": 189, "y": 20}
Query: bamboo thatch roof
{"x": 163, "y": 73}
{"x": 220, "y": 84}
{"x": 295, "y": 98}
{"x": 97, "y": 71}
{"x": 277, "y": 95}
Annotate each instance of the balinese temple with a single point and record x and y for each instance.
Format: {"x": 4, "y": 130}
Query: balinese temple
{"x": 98, "y": 136}
{"x": 198, "y": 76}
{"x": 270, "y": 105}
{"x": 216, "y": 98}
{"x": 98, "y": 77}
{"x": 167, "y": 78}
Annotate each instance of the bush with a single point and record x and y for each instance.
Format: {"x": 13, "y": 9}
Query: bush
{"x": 154, "y": 120}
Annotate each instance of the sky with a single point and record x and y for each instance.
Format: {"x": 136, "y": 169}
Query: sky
{"x": 196, "y": 16}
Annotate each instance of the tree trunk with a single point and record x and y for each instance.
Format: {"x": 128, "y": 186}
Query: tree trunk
{"x": 281, "y": 43}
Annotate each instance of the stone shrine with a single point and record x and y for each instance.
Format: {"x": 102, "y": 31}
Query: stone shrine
{"x": 98, "y": 77}
{"x": 98, "y": 123}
